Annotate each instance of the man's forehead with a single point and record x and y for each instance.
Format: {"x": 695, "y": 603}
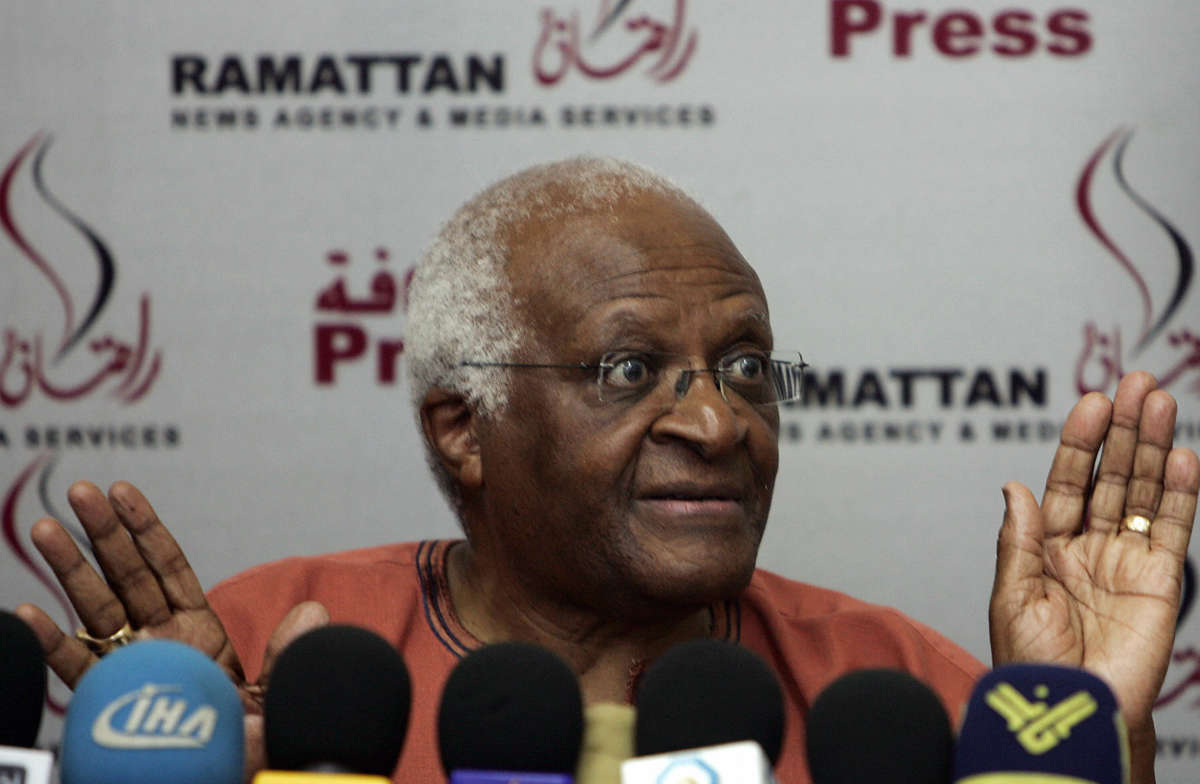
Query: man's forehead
{"x": 648, "y": 260}
{"x": 646, "y": 238}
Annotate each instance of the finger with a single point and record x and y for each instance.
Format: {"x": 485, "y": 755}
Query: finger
{"x": 124, "y": 567}
{"x": 1156, "y": 433}
{"x": 97, "y": 606}
{"x": 302, "y": 618}
{"x": 1070, "y": 474}
{"x": 1109, "y": 494}
{"x": 161, "y": 552}
{"x": 66, "y": 656}
{"x": 1172, "y": 528}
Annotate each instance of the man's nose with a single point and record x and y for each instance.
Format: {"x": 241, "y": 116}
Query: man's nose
{"x": 700, "y": 415}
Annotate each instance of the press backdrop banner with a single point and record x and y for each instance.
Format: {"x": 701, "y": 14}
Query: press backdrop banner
{"x": 964, "y": 215}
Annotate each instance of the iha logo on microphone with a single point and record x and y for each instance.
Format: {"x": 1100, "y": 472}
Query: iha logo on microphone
{"x": 153, "y": 720}
{"x": 1039, "y": 726}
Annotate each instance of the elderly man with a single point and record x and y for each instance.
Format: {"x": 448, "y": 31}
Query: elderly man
{"x": 596, "y": 378}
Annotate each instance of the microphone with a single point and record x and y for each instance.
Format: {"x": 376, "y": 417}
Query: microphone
{"x": 707, "y": 711}
{"x": 23, "y": 684}
{"x": 336, "y": 709}
{"x": 1029, "y": 723}
{"x": 879, "y": 726}
{"x": 510, "y": 713}
{"x": 154, "y": 711}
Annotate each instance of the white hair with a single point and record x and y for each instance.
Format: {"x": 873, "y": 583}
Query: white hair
{"x": 461, "y": 304}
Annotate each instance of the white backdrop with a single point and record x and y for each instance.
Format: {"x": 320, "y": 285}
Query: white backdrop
{"x": 181, "y": 173}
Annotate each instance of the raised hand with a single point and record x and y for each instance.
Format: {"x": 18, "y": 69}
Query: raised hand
{"x": 148, "y": 584}
{"x": 1074, "y": 585}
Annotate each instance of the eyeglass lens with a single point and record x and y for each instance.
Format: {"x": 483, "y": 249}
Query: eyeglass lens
{"x": 758, "y": 379}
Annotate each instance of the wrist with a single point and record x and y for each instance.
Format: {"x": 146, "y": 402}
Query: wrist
{"x": 1143, "y": 745}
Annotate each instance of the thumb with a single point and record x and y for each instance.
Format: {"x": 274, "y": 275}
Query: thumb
{"x": 1019, "y": 558}
{"x": 302, "y": 618}
{"x": 1020, "y": 545}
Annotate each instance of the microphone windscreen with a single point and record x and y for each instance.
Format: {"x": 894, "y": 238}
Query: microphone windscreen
{"x": 153, "y": 711}
{"x": 338, "y": 696}
{"x": 22, "y": 682}
{"x": 708, "y": 693}
{"x": 511, "y": 707}
{"x": 1042, "y": 723}
{"x": 879, "y": 725}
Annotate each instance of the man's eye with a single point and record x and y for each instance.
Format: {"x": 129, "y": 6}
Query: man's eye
{"x": 747, "y": 367}
{"x": 626, "y": 372}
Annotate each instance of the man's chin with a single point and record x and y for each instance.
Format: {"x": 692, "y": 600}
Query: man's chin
{"x": 702, "y": 594}
{"x": 700, "y": 579}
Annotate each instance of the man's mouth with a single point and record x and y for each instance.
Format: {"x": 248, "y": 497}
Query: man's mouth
{"x": 694, "y": 491}
{"x": 693, "y": 499}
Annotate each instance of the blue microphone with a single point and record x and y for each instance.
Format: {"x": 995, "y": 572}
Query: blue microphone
{"x": 1040, "y": 723}
{"x": 154, "y": 711}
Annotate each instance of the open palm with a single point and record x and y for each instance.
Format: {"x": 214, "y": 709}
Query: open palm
{"x": 1076, "y": 587}
{"x": 144, "y": 581}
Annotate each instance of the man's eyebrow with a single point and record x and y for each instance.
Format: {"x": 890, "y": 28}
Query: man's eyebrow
{"x": 756, "y": 315}
{"x": 682, "y": 264}
{"x": 753, "y": 323}
{"x": 624, "y": 321}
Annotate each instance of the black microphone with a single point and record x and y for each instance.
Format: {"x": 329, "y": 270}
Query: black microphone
{"x": 879, "y": 726}
{"x": 707, "y": 705}
{"x": 338, "y": 702}
{"x": 23, "y": 684}
{"x": 1041, "y": 723}
{"x": 510, "y": 712}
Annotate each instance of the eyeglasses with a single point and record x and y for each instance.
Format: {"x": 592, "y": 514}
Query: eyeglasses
{"x": 762, "y": 378}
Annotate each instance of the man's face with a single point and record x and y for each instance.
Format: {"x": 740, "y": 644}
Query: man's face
{"x": 630, "y": 505}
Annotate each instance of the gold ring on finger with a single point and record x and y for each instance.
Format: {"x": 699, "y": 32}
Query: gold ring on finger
{"x": 1136, "y": 523}
{"x": 103, "y": 645}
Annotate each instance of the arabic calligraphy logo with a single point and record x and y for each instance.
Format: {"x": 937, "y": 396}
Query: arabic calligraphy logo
{"x": 1189, "y": 592}
{"x": 26, "y": 357}
{"x": 1039, "y": 727}
{"x": 615, "y": 43}
{"x": 42, "y": 466}
{"x": 1104, "y": 350}
{"x": 1186, "y": 659}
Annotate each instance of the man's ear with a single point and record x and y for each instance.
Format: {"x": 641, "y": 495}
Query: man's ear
{"x": 449, "y": 425}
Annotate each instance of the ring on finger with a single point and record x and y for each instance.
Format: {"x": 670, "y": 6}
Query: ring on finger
{"x": 1136, "y": 523}
{"x": 103, "y": 645}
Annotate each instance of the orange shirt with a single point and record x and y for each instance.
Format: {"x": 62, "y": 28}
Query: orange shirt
{"x": 809, "y": 635}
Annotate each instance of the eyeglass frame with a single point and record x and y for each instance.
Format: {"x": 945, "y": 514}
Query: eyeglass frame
{"x": 683, "y": 382}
